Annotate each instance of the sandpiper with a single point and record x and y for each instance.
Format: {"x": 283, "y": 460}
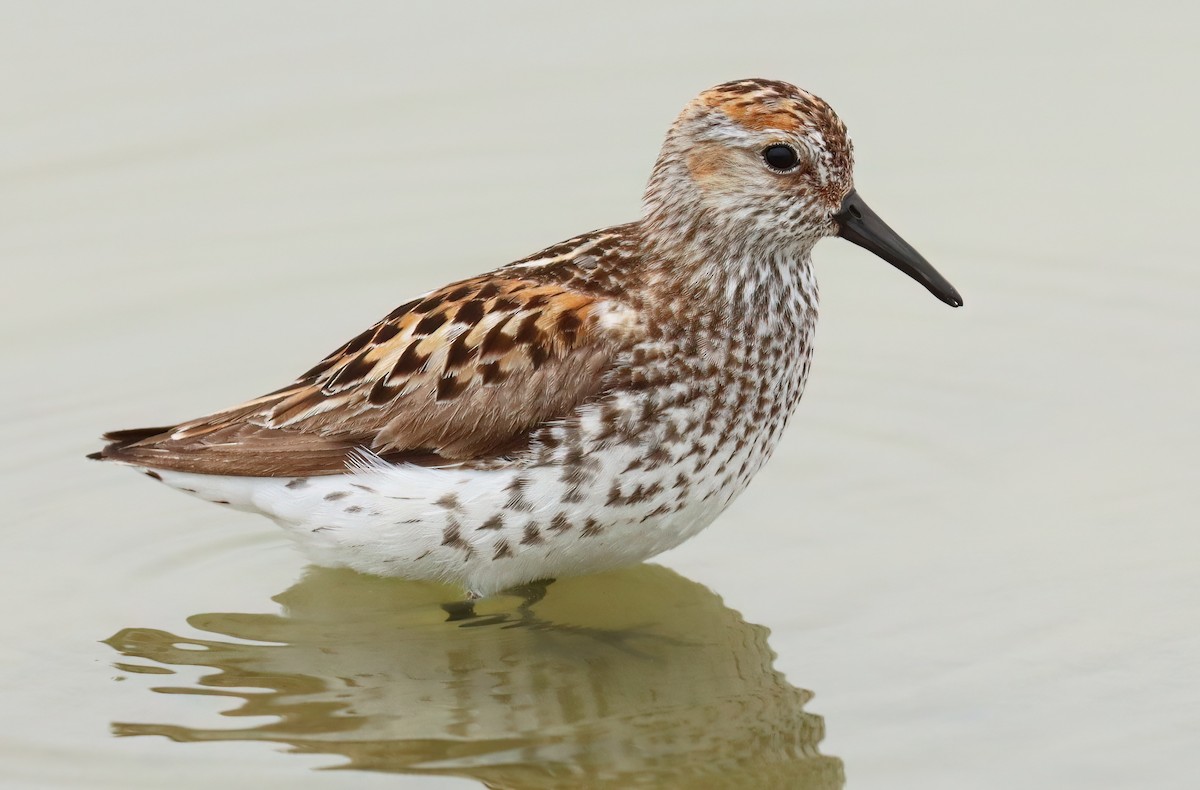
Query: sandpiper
{"x": 587, "y": 407}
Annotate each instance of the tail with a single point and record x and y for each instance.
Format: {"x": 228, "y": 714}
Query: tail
{"x": 119, "y": 441}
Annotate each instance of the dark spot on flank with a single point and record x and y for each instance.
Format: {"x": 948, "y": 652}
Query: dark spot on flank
{"x": 642, "y": 493}
{"x": 430, "y": 323}
{"x": 362, "y": 487}
{"x": 533, "y": 535}
{"x": 516, "y": 499}
{"x": 470, "y": 312}
{"x": 560, "y": 523}
{"x": 410, "y": 362}
{"x": 220, "y": 501}
{"x": 453, "y": 537}
{"x": 591, "y": 528}
{"x": 659, "y": 455}
{"x": 188, "y": 490}
{"x": 502, "y": 550}
{"x": 661, "y": 510}
{"x": 333, "y": 496}
{"x": 297, "y": 482}
{"x": 577, "y": 474}
{"x": 153, "y": 475}
{"x": 495, "y": 522}
{"x": 354, "y": 509}
{"x": 448, "y": 501}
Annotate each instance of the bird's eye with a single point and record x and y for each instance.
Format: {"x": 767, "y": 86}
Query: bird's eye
{"x": 780, "y": 157}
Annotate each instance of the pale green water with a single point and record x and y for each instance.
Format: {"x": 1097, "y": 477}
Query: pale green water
{"x": 973, "y": 558}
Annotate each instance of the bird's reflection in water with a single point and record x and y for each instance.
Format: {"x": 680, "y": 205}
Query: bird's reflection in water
{"x": 637, "y": 677}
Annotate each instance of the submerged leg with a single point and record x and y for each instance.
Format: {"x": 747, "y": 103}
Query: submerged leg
{"x": 459, "y": 610}
{"x": 530, "y": 592}
{"x": 463, "y": 612}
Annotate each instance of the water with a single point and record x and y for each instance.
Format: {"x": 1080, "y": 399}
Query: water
{"x": 971, "y": 563}
{"x": 586, "y": 687}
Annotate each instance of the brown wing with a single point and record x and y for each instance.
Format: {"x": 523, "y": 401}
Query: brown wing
{"x": 464, "y": 373}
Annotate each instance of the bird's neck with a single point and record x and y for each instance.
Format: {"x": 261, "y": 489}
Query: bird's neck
{"x": 696, "y": 265}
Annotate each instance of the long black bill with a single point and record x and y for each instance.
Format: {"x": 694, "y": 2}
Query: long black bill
{"x": 857, "y": 223}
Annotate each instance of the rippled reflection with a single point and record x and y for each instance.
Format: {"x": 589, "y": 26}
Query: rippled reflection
{"x": 634, "y": 677}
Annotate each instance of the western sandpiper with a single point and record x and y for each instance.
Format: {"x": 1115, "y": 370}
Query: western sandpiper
{"x": 587, "y": 407}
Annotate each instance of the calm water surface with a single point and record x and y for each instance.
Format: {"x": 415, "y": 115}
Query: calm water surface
{"x": 972, "y": 563}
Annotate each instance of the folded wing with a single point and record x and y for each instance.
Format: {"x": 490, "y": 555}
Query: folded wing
{"x": 465, "y": 373}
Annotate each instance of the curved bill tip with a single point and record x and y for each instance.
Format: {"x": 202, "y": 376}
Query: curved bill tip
{"x": 857, "y": 223}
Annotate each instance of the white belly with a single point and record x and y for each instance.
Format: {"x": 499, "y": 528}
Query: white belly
{"x": 477, "y": 529}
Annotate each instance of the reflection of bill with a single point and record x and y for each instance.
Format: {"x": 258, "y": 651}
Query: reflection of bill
{"x": 637, "y": 676}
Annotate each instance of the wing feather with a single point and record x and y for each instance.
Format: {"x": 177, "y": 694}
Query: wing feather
{"x": 464, "y": 373}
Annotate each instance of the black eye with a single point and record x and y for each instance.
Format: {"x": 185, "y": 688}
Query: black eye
{"x": 780, "y": 157}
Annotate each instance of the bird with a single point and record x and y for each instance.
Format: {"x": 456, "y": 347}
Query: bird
{"x": 584, "y": 408}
